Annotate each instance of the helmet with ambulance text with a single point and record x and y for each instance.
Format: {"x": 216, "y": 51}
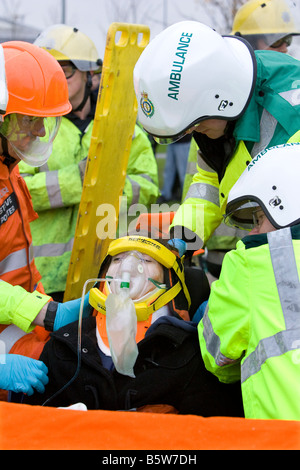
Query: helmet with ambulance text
{"x": 37, "y": 98}
{"x": 189, "y": 73}
{"x": 156, "y": 274}
{"x": 265, "y": 23}
{"x": 270, "y": 182}
{"x": 68, "y": 43}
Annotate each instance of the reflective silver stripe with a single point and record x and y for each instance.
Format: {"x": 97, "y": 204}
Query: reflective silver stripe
{"x": 267, "y": 128}
{"x": 288, "y": 286}
{"x": 292, "y": 96}
{"x": 82, "y": 166}
{"x": 135, "y": 191}
{"x": 204, "y": 191}
{"x": 273, "y": 346}
{"x": 191, "y": 168}
{"x": 10, "y": 336}
{"x": 213, "y": 342}
{"x": 202, "y": 164}
{"x": 53, "y": 189}
{"x": 226, "y": 231}
{"x": 44, "y": 167}
{"x": 53, "y": 249}
{"x": 16, "y": 260}
{"x": 136, "y": 187}
{"x": 286, "y": 275}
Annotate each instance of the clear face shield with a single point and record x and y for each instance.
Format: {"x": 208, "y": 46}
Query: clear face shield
{"x": 30, "y": 137}
{"x": 242, "y": 215}
{"x": 269, "y": 41}
{"x": 144, "y": 273}
{"x": 188, "y": 130}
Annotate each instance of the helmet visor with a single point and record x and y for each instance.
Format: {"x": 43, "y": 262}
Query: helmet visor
{"x": 269, "y": 41}
{"x": 31, "y": 137}
{"x": 241, "y": 214}
{"x": 166, "y": 140}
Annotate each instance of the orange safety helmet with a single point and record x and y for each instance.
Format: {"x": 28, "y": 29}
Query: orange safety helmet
{"x": 36, "y": 83}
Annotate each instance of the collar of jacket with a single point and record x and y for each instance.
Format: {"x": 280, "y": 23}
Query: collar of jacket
{"x": 253, "y": 241}
{"x": 272, "y": 81}
{"x": 82, "y": 124}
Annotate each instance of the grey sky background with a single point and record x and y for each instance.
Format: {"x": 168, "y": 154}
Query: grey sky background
{"x": 93, "y": 17}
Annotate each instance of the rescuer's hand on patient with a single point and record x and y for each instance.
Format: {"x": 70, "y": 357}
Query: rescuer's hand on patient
{"x": 22, "y": 374}
{"x": 68, "y": 312}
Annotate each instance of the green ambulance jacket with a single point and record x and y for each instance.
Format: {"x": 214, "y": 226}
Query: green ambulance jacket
{"x": 271, "y": 118}
{"x": 250, "y": 330}
{"x": 56, "y": 189}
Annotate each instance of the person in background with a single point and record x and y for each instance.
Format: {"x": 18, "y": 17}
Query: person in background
{"x": 32, "y": 103}
{"x": 175, "y": 165}
{"x": 250, "y": 329}
{"x": 268, "y": 25}
{"x": 56, "y": 187}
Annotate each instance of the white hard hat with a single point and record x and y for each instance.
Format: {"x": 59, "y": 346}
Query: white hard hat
{"x": 3, "y": 85}
{"x": 68, "y": 43}
{"x": 189, "y": 73}
{"x": 271, "y": 181}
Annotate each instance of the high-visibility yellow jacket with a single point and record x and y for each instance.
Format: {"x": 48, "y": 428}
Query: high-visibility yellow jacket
{"x": 271, "y": 118}
{"x": 20, "y": 307}
{"x": 250, "y": 330}
{"x": 56, "y": 190}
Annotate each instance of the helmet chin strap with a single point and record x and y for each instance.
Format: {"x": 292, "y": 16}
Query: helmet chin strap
{"x": 87, "y": 92}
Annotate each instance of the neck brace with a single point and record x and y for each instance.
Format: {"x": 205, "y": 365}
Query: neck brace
{"x": 144, "y": 306}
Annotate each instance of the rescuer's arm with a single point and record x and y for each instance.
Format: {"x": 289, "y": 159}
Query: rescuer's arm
{"x": 27, "y": 309}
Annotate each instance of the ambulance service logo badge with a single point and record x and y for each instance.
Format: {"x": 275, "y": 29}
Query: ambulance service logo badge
{"x": 146, "y": 105}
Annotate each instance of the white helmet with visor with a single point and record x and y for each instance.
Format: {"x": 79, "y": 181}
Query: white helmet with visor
{"x": 270, "y": 182}
{"x": 189, "y": 73}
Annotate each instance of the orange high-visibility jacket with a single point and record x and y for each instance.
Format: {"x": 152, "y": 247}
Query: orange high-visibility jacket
{"x": 16, "y": 212}
{"x": 17, "y": 265}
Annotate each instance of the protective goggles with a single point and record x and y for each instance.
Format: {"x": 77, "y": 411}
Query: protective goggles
{"x": 242, "y": 215}
{"x": 286, "y": 40}
{"x": 69, "y": 69}
{"x": 166, "y": 140}
{"x": 31, "y": 137}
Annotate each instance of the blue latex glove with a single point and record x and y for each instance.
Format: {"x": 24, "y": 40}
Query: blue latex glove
{"x": 200, "y": 312}
{"x": 69, "y": 311}
{"x": 179, "y": 244}
{"x": 22, "y": 374}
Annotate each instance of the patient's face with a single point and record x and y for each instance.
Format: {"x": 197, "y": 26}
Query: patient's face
{"x": 141, "y": 268}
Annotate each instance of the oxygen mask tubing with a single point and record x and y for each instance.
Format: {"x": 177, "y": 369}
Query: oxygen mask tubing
{"x": 130, "y": 276}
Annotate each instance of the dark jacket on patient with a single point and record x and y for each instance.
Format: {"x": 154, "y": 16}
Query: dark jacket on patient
{"x": 169, "y": 371}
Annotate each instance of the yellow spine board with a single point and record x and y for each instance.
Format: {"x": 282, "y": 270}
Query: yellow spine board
{"x": 105, "y": 173}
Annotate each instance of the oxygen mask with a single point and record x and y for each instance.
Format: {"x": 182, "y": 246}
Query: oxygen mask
{"x": 145, "y": 273}
{"x": 131, "y": 275}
